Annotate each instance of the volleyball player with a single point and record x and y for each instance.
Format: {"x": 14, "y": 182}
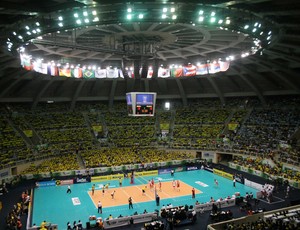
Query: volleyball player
{"x": 93, "y": 189}
{"x": 178, "y": 185}
{"x": 159, "y": 185}
{"x": 174, "y": 184}
{"x": 216, "y": 183}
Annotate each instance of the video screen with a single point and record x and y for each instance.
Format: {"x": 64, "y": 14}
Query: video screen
{"x": 128, "y": 99}
{"x": 144, "y": 99}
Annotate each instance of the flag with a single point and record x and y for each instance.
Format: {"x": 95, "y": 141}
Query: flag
{"x": 163, "y": 72}
{"x": 150, "y": 73}
{"x": 202, "y": 69}
{"x": 64, "y": 72}
{"x": 44, "y": 68}
{"x": 224, "y": 66}
{"x": 52, "y": 70}
{"x": 27, "y": 64}
{"x": 176, "y": 72}
{"x": 130, "y": 73}
{"x": 100, "y": 73}
{"x": 121, "y": 73}
{"x": 214, "y": 67}
{"x": 112, "y": 73}
{"x": 76, "y": 72}
{"x": 189, "y": 71}
{"x": 88, "y": 73}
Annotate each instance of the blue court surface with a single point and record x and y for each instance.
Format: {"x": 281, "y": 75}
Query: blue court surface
{"x": 54, "y": 205}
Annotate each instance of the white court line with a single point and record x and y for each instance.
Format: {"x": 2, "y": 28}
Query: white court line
{"x": 145, "y": 193}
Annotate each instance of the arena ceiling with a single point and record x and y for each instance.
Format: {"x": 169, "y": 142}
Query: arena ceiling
{"x": 274, "y": 70}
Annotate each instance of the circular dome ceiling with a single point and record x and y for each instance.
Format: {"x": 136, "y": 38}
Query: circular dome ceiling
{"x": 168, "y": 42}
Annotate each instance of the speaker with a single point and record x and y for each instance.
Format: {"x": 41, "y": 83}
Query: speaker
{"x": 88, "y": 225}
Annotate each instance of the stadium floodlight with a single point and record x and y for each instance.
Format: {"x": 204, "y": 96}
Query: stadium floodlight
{"x": 38, "y": 30}
{"x": 14, "y": 33}
{"x": 34, "y": 31}
{"x": 172, "y": 10}
{"x": 220, "y": 21}
{"x": 141, "y": 16}
{"x": 163, "y": 16}
{"x": 174, "y": 17}
{"x": 85, "y": 13}
{"x": 212, "y": 20}
{"x": 94, "y": 12}
{"x": 96, "y": 19}
{"x": 227, "y": 22}
{"x": 261, "y": 33}
{"x": 60, "y": 18}
{"x": 78, "y": 21}
{"x": 167, "y": 106}
{"x": 212, "y": 14}
{"x": 165, "y": 10}
{"x": 129, "y": 10}
{"x": 129, "y": 16}
{"x": 269, "y": 37}
{"x": 86, "y": 20}
{"x": 201, "y": 19}
{"x": 269, "y": 32}
{"x": 37, "y": 24}
{"x": 246, "y": 27}
{"x": 201, "y": 12}
{"x": 28, "y": 32}
{"x": 254, "y": 30}
{"x": 255, "y": 24}
{"x": 60, "y": 24}
{"x": 27, "y": 27}
{"x": 75, "y": 15}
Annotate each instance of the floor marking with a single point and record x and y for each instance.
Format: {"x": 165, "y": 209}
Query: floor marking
{"x": 76, "y": 201}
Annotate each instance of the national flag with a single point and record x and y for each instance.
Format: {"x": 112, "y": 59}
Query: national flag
{"x": 224, "y": 66}
{"x": 76, "y": 72}
{"x": 52, "y": 70}
{"x": 100, "y": 73}
{"x": 130, "y": 74}
{"x": 202, "y": 69}
{"x": 44, "y": 68}
{"x": 121, "y": 73}
{"x": 88, "y": 73}
{"x": 64, "y": 72}
{"x": 27, "y": 63}
{"x": 112, "y": 73}
{"x": 177, "y": 72}
{"x": 214, "y": 67}
{"x": 150, "y": 73}
{"x": 163, "y": 72}
{"x": 189, "y": 71}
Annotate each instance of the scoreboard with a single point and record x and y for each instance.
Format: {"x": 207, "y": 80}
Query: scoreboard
{"x": 141, "y": 103}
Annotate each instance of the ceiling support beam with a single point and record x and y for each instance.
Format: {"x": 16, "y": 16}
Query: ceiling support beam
{"x": 42, "y": 91}
{"x": 112, "y": 93}
{"x": 252, "y": 85}
{"x": 217, "y": 89}
{"x": 181, "y": 91}
{"x": 76, "y": 94}
{"x": 265, "y": 64}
